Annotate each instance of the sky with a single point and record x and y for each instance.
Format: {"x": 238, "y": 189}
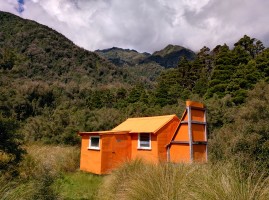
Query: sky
{"x": 148, "y": 25}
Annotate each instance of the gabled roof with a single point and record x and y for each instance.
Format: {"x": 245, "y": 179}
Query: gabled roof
{"x": 144, "y": 124}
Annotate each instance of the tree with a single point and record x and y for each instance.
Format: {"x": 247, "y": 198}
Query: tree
{"x": 11, "y": 150}
{"x": 222, "y": 72}
{"x": 251, "y": 45}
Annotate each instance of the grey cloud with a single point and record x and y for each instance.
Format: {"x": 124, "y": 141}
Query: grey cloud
{"x": 231, "y": 20}
{"x": 149, "y": 25}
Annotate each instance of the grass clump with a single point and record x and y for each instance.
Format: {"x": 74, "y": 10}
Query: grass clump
{"x": 57, "y": 159}
{"x": 11, "y": 189}
{"x": 228, "y": 182}
{"x": 137, "y": 180}
{"x": 40, "y": 168}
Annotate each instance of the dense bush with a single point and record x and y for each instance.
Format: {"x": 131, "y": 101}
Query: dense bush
{"x": 245, "y": 139}
{"x": 11, "y": 150}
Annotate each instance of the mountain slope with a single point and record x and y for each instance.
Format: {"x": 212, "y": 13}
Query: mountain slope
{"x": 38, "y": 52}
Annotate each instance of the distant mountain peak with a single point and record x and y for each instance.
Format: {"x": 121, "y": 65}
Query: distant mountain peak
{"x": 170, "y": 55}
{"x": 167, "y": 57}
{"x": 115, "y": 49}
{"x": 168, "y": 50}
{"x": 120, "y": 56}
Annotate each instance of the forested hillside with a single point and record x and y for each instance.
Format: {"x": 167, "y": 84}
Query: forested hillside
{"x": 30, "y": 50}
{"x": 45, "y": 76}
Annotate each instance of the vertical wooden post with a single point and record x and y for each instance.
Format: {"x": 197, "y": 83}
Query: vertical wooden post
{"x": 190, "y": 133}
{"x": 168, "y": 153}
{"x": 205, "y": 134}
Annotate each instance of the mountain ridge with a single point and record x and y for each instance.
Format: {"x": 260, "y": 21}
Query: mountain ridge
{"x": 120, "y": 56}
{"x": 167, "y": 57}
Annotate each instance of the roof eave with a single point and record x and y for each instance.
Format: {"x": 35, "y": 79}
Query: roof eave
{"x": 102, "y": 132}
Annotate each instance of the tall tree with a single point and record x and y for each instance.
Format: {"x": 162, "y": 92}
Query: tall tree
{"x": 251, "y": 45}
{"x": 11, "y": 150}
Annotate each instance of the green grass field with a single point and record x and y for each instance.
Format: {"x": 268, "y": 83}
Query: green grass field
{"x": 78, "y": 185}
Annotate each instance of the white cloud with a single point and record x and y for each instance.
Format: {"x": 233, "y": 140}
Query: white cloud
{"x": 149, "y": 25}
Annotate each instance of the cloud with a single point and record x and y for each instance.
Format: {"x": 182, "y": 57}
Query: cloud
{"x": 148, "y": 25}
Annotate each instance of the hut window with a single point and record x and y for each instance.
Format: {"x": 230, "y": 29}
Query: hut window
{"x": 94, "y": 142}
{"x": 144, "y": 141}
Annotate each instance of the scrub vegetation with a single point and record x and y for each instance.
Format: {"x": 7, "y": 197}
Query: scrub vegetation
{"x": 50, "y": 89}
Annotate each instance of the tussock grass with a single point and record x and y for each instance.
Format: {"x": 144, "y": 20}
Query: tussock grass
{"x": 54, "y": 159}
{"x": 229, "y": 182}
{"x": 39, "y": 170}
{"x": 137, "y": 180}
{"x": 11, "y": 189}
{"x": 58, "y": 158}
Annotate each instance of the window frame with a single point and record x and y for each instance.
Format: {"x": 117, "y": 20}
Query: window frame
{"x": 90, "y": 143}
{"x": 139, "y": 145}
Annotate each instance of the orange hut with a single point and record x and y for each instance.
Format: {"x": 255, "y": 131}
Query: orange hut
{"x": 153, "y": 139}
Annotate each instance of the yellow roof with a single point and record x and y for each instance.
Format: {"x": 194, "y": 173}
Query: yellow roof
{"x": 144, "y": 124}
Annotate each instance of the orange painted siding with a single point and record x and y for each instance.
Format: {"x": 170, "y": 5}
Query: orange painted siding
{"x": 145, "y": 154}
{"x": 182, "y": 134}
{"x": 90, "y": 160}
{"x": 197, "y": 115}
{"x": 162, "y": 140}
{"x": 180, "y": 153}
{"x": 199, "y": 154}
{"x": 164, "y": 136}
{"x": 171, "y": 129}
{"x": 198, "y": 132}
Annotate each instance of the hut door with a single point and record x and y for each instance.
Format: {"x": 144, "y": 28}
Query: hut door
{"x": 120, "y": 150}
